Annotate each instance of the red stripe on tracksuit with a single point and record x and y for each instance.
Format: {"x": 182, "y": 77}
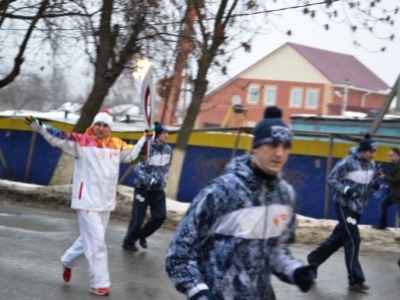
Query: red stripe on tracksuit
{"x": 80, "y": 191}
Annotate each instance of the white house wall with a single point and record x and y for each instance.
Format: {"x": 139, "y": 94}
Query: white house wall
{"x": 327, "y": 98}
{"x": 284, "y": 64}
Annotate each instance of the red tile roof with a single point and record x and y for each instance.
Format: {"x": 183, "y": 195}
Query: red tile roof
{"x": 338, "y": 67}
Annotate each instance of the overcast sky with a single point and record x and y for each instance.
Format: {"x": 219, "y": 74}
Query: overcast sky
{"x": 338, "y": 38}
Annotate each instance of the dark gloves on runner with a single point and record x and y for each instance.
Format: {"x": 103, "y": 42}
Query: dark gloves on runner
{"x": 155, "y": 184}
{"x": 202, "y": 295}
{"x": 303, "y": 278}
{"x": 351, "y": 193}
{"x": 375, "y": 185}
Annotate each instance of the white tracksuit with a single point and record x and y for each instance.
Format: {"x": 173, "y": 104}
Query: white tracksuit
{"x": 94, "y": 190}
{"x": 91, "y": 243}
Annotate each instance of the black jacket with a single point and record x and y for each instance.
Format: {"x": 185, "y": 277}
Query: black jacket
{"x": 393, "y": 178}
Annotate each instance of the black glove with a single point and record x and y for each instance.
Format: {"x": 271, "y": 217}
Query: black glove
{"x": 351, "y": 193}
{"x": 202, "y": 295}
{"x": 156, "y": 185}
{"x": 303, "y": 278}
{"x": 375, "y": 185}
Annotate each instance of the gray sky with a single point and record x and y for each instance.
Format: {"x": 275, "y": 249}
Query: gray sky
{"x": 338, "y": 38}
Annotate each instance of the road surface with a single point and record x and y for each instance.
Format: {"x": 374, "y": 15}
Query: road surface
{"x": 32, "y": 240}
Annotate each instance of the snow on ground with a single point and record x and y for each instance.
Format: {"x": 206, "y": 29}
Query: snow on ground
{"x": 309, "y": 230}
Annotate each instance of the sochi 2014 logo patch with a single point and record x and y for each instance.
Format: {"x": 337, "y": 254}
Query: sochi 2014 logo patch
{"x": 281, "y": 133}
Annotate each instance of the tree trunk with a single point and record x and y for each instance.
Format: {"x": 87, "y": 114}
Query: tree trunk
{"x": 200, "y": 88}
{"x": 63, "y": 171}
{"x": 104, "y": 79}
{"x": 174, "y": 174}
{"x": 184, "y": 48}
{"x": 65, "y": 166}
{"x": 102, "y": 76}
{"x": 93, "y": 104}
{"x": 102, "y": 84}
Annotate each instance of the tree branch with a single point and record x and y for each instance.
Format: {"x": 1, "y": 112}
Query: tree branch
{"x": 229, "y": 15}
{"x": 48, "y": 16}
{"x": 3, "y": 7}
{"x": 103, "y": 48}
{"x": 200, "y": 20}
{"x": 19, "y": 59}
{"x": 128, "y": 50}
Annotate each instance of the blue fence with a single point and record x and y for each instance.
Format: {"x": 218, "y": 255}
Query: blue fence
{"x": 202, "y": 163}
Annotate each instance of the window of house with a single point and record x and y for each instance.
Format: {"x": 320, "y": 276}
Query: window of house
{"x": 252, "y": 94}
{"x": 269, "y": 95}
{"x": 296, "y": 98}
{"x": 312, "y": 99}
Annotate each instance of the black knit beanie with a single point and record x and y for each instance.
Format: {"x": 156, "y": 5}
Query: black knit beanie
{"x": 367, "y": 144}
{"x": 272, "y": 128}
{"x": 159, "y": 128}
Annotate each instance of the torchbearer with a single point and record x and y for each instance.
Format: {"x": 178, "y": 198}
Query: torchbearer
{"x": 97, "y": 158}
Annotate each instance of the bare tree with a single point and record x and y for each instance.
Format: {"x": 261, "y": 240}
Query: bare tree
{"x": 19, "y": 58}
{"x": 217, "y": 30}
{"x": 27, "y": 92}
{"x": 111, "y": 32}
{"x": 117, "y": 32}
{"x": 24, "y": 21}
{"x": 124, "y": 30}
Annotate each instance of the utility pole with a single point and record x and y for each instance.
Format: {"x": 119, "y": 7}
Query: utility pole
{"x": 393, "y": 93}
{"x": 345, "y": 96}
{"x": 398, "y": 98}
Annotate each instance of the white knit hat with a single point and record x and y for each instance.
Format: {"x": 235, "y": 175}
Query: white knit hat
{"x": 103, "y": 117}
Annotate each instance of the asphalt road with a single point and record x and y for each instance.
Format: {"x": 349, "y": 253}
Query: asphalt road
{"x": 32, "y": 240}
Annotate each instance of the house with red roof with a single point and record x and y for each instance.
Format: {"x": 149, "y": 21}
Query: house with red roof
{"x": 300, "y": 80}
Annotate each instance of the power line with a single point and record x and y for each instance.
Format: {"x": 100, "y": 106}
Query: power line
{"x": 206, "y": 19}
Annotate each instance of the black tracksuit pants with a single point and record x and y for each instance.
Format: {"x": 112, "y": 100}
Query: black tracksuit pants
{"x": 142, "y": 199}
{"x": 345, "y": 234}
{"x": 385, "y": 204}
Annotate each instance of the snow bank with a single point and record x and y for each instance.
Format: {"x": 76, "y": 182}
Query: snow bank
{"x": 309, "y": 230}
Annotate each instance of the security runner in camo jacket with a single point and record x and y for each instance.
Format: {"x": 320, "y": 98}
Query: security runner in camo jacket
{"x": 150, "y": 181}
{"x": 352, "y": 180}
{"x": 236, "y": 232}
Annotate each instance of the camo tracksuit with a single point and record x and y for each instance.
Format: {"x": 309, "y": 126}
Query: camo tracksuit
{"x": 150, "y": 180}
{"x": 234, "y": 236}
{"x": 359, "y": 175}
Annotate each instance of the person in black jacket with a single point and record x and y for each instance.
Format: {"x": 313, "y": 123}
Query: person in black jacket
{"x": 393, "y": 178}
